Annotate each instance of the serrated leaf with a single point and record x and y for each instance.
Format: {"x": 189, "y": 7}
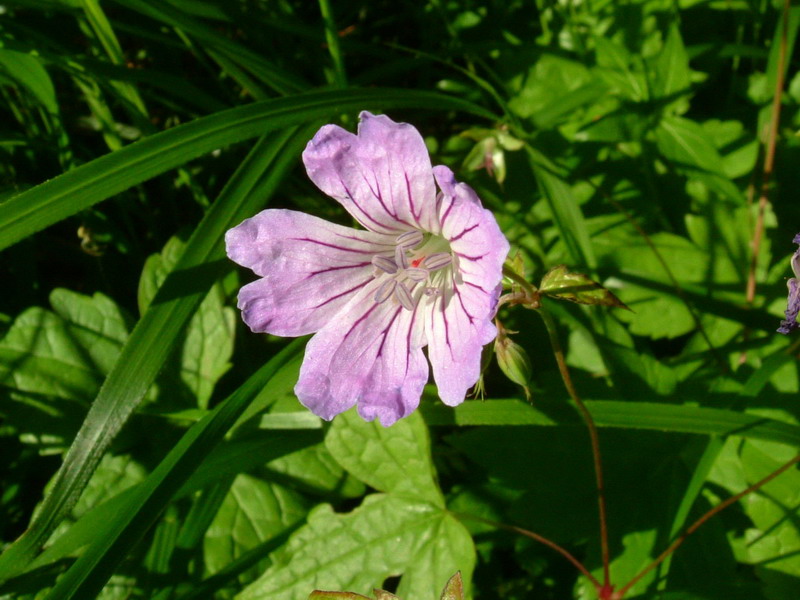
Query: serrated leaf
{"x": 316, "y": 469}
{"x": 208, "y": 343}
{"x": 252, "y": 512}
{"x": 393, "y": 459}
{"x": 66, "y": 353}
{"x": 388, "y": 535}
{"x": 562, "y": 284}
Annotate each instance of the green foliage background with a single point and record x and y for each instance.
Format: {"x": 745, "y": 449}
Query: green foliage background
{"x": 152, "y": 447}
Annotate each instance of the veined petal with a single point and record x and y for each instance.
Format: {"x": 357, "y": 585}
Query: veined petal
{"x": 459, "y": 321}
{"x": 370, "y": 355}
{"x": 382, "y": 176}
{"x": 310, "y": 269}
{"x": 457, "y": 326}
{"x": 478, "y": 244}
{"x": 790, "y": 323}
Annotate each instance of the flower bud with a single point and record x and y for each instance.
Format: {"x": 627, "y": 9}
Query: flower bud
{"x": 514, "y": 362}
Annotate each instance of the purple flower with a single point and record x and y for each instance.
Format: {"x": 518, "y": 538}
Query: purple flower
{"x": 426, "y": 272}
{"x": 793, "y": 304}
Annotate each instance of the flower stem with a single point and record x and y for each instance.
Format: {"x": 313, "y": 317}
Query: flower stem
{"x": 587, "y": 417}
{"x": 618, "y": 595}
{"x": 539, "y": 538}
{"x": 769, "y": 158}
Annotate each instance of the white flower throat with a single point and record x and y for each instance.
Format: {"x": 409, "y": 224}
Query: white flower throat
{"x": 419, "y": 259}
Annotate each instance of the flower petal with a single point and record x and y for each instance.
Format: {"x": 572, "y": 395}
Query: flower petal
{"x": 310, "y": 269}
{"x": 475, "y": 238}
{"x": 457, "y": 328}
{"x": 382, "y": 176}
{"x": 370, "y": 355}
{"x": 792, "y": 309}
{"x": 459, "y": 322}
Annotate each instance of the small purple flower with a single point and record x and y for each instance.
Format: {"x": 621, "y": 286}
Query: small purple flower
{"x": 793, "y": 304}
{"x": 426, "y": 272}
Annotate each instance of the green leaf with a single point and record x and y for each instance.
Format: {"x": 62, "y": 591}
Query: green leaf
{"x": 564, "y": 208}
{"x": 386, "y": 536}
{"x": 208, "y": 343}
{"x": 102, "y": 178}
{"x": 152, "y": 340}
{"x": 27, "y": 71}
{"x": 561, "y": 284}
{"x": 773, "y": 541}
{"x": 252, "y": 512}
{"x": 689, "y": 147}
{"x": 609, "y": 413}
{"x": 394, "y": 459}
{"x": 114, "y": 537}
{"x": 66, "y": 353}
{"x": 281, "y": 81}
{"x": 671, "y": 74}
{"x": 315, "y": 469}
{"x": 548, "y": 82}
{"x": 613, "y": 65}
{"x": 686, "y": 143}
{"x": 226, "y": 460}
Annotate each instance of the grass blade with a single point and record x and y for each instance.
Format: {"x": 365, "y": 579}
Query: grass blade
{"x": 91, "y": 571}
{"x": 80, "y": 188}
{"x": 609, "y": 413}
{"x": 152, "y": 340}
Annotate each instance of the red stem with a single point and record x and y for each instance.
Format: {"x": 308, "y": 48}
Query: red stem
{"x": 696, "y": 525}
{"x": 598, "y": 463}
{"x": 769, "y": 159}
{"x": 541, "y": 539}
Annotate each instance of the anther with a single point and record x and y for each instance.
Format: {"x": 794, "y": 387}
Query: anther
{"x": 386, "y": 289}
{"x": 385, "y": 264}
{"x": 437, "y": 261}
{"x": 410, "y": 239}
{"x": 404, "y": 296}
{"x": 400, "y": 258}
{"x": 416, "y": 274}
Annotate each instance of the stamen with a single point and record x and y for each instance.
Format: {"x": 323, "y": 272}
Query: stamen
{"x": 410, "y": 239}
{"x": 416, "y": 274}
{"x": 400, "y": 258}
{"x": 386, "y": 289}
{"x": 432, "y": 291}
{"x": 404, "y": 296}
{"x": 437, "y": 261}
{"x": 385, "y": 264}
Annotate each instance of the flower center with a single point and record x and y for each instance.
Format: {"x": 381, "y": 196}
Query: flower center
{"x": 419, "y": 266}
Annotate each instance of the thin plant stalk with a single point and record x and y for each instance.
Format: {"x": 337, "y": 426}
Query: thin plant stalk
{"x": 769, "y": 157}
{"x": 618, "y": 595}
{"x": 539, "y": 538}
{"x": 595, "y": 441}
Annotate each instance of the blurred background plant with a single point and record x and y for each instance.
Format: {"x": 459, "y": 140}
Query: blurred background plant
{"x": 649, "y": 144}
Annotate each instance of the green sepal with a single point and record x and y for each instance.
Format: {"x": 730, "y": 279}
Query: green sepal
{"x": 561, "y": 284}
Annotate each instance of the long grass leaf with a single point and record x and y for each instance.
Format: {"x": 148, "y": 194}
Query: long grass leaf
{"x": 153, "y": 339}
{"x": 114, "y": 539}
{"x": 279, "y": 80}
{"x": 65, "y": 195}
{"x": 627, "y": 415}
